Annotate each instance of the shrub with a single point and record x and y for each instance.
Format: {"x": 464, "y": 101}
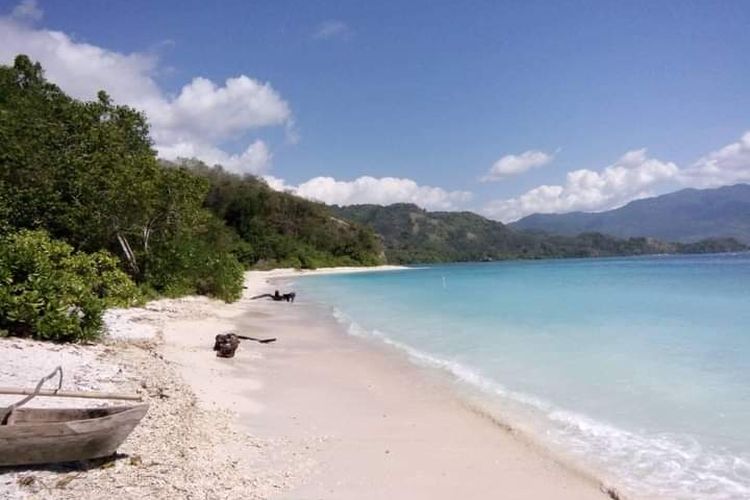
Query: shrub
{"x": 50, "y": 292}
{"x": 200, "y": 261}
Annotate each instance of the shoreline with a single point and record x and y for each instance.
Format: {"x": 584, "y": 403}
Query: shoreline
{"x": 317, "y": 414}
{"x": 290, "y": 272}
{"x": 469, "y": 397}
{"x": 443, "y": 399}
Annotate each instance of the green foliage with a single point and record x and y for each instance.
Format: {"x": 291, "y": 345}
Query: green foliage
{"x": 199, "y": 261}
{"x": 412, "y": 235}
{"x": 712, "y": 245}
{"x": 51, "y": 292}
{"x": 86, "y": 173}
{"x": 5, "y": 222}
{"x": 279, "y": 229}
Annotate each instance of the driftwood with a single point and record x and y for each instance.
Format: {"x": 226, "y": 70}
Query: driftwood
{"x": 225, "y": 344}
{"x": 276, "y": 296}
{"x": 260, "y": 341}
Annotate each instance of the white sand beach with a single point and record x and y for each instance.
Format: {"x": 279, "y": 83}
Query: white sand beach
{"x": 316, "y": 414}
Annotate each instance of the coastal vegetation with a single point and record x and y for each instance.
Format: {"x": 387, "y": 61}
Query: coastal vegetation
{"x": 82, "y": 194}
{"x": 413, "y": 235}
{"x": 278, "y": 229}
{"x": 52, "y": 292}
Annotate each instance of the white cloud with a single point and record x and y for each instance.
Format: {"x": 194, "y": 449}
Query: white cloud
{"x": 200, "y": 118}
{"x": 203, "y": 109}
{"x": 78, "y": 68}
{"x": 381, "y": 191}
{"x": 330, "y": 29}
{"x": 511, "y": 165}
{"x": 728, "y": 165}
{"x": 629, "y": 178}
{"x": 278, "y": 184}
{"x": 27, "y": 11}
{"x": 255, "y": 159}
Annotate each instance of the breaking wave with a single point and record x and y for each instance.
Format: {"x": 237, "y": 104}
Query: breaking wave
{"x": 668, "y": 465}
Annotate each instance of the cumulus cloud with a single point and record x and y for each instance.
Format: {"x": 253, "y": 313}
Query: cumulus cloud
{"x": 381, "y": 191}
{"x": 728, "y": 165}
{"x": 201, "y": 117}
{"x": 255, "y": 159}
{"x": 204, "y": 109}
{"x": 629, "y": 178}
{"x": 330, "y": 29}
{"x": 511, "y": 165}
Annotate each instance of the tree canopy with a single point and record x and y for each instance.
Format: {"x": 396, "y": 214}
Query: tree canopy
{"x": 280, "y": 229}
{"x": 86, "y": 173}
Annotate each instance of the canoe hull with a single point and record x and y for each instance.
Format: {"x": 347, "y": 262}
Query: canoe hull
{"x": 42, "y": 436}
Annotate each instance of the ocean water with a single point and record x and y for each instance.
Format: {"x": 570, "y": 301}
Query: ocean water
{"x": 638, "y": 367}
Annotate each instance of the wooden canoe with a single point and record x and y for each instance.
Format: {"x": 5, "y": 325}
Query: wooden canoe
{"x": 42, "y": 436}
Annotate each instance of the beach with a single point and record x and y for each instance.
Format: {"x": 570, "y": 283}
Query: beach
{"x": 316, "y": 414}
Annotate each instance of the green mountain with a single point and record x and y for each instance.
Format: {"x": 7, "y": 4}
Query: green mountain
{"x": 278, "y": 229}
{"x": 686, "y": 216}
{"x": 413, "y": 235}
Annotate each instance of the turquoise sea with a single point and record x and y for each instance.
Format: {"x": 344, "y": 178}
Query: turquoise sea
{"x": 637, "y": 367}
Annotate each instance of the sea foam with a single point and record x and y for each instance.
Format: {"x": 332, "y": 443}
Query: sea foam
{"x": 662, "y": 464}
{"x": 636, "y": 367}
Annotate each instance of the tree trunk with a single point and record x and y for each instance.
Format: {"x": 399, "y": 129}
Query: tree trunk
{"x": 129, "y": 255}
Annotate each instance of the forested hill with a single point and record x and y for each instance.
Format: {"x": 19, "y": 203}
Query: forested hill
{"x": 413, "y": 235}
{"x": 279, "y": 229}
{"x": 687, "y": 215}
{"x": 90, "y": 218}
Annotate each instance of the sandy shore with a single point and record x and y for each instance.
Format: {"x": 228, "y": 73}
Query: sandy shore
{"x": 181, "y": 449}
{"x": 360, "y": 421}
{"x": 317, "y": 414}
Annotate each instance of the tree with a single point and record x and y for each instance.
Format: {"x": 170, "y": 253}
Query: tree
{"x": 86, "y": 172}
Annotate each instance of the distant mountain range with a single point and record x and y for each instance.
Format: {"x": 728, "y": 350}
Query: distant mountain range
{"x": 684, "y": 216}
{"x": 413, "y": 235}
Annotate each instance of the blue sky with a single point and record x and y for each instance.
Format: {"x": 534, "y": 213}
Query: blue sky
{"x": 438, "y": 92}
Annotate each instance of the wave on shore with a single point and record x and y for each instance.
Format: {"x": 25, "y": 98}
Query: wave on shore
{"x": 659, "y": 464}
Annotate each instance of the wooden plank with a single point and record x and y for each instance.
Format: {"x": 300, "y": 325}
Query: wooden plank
{"x": 71, "y": 394}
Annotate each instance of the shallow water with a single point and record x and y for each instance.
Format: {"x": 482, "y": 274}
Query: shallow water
{"x": 638, "y": 366}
